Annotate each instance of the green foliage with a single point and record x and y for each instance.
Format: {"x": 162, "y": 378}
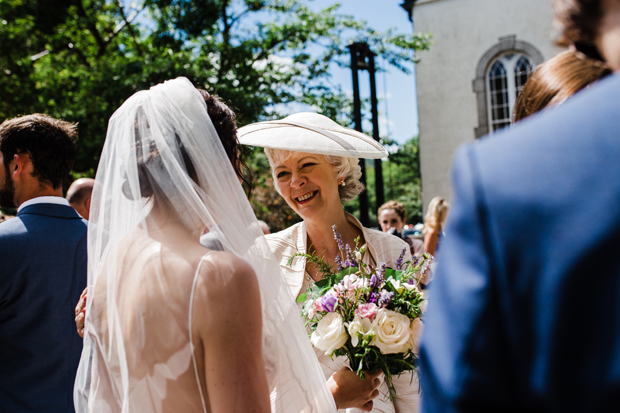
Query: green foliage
{"x": 80, "y": 59}
{"x": 401, "y": 182}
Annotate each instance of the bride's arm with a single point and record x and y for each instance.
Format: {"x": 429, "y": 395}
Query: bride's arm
{"x": 231, "y": 335}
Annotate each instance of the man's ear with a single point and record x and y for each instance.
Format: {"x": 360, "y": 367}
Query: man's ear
{"x": 18, "y": 166}
{"x": 22, "y": 164}
{"x": 87, "y": 204}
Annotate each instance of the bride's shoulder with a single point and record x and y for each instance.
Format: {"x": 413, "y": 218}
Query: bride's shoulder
{"x": 225, "y": 289}
{"x": 225, "y": 270}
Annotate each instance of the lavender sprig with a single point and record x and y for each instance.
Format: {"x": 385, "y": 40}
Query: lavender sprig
{"x": 380, "y": 270}
{"x": 338, "y": 263}
{"x": 399, "y": 261}
{"x": 384, "y": 298}
{"x": 338, "y": 239}
{"x": 350, "y": 257}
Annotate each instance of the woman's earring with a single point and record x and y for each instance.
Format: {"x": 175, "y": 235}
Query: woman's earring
{"x": 342, "y": 183}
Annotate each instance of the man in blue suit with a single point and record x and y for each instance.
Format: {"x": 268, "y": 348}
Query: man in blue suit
{"x": 42, "y": 267}
{"x": 524, "y": 315}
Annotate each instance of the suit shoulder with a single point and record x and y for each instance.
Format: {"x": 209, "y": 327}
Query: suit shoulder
{"x": 12, "y": 228}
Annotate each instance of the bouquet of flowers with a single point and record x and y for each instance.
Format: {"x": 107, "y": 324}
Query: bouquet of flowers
{"x": 371, "y": 315}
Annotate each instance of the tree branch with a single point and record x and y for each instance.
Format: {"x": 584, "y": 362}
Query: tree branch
{"x": 129, "y": 26}
{"x": 226, "y": 41}
{"x": 101, "y": 44}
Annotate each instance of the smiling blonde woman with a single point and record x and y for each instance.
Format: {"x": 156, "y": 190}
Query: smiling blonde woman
{"x": 315, "y": 167}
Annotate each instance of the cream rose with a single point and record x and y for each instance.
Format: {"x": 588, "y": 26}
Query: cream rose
{"x": 360, "y": 326}
{"x": 392, "y": 332}
{"x": 330, "y": 333}
{"x": 416, "y": 334}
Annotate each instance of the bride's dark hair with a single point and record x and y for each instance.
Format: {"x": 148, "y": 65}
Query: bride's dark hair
{"x": 224, "y": 120}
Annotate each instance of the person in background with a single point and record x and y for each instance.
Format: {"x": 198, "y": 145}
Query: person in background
{"x": 392, "y": 218}
{"x": 43, "y": 256}
{"x": 79, "y": 194}
{"x": 264, "y": 227}
{"x": 433, "y": 224}
{"x": 524, "y": 315}
{"x": 4, "y": 218}
{"x": 556, "y": 80}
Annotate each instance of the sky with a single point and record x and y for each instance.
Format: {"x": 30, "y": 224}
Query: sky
{"x": 400, "y": 119}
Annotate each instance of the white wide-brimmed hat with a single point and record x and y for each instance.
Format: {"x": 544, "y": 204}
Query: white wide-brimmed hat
{"x": 311, "y": 133}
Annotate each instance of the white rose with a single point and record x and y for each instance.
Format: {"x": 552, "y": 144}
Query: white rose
{"x": 330, "y": 333}
{"x": 392, "y": 332}
{"x": 359, "y": 326}
{"x": 416, "y": 334}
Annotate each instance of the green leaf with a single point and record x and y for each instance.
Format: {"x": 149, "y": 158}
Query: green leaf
{"x": 302, "y": 298}
{"x": 397, "y": 275}
{"x": 347, "y": 271}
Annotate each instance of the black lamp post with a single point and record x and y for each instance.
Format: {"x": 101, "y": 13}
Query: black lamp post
{"x": 363, "y": 59}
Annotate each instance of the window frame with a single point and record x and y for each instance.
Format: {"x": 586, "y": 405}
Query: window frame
{"x": 506, "y": 45}
{"x": 509, "y": 63}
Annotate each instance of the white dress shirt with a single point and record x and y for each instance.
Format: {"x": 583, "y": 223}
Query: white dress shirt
{"x": 44, "y": 200}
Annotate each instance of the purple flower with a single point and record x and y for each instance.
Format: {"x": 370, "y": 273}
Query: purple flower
{"x": 414, "y": 260}
{"x": 380, "y": 271}
{"x": 384, "y": 298}
{"x": 374, "y": 281}
{"x": 373, "y": 297}
{"x": 328, "y": 302}
{"x": 338, "y": 238}
{"x": 427, "y": 265}
{"x": 350, "y": 256}
{"x": 399, "y": 261}
{"x": 338, "y": 263}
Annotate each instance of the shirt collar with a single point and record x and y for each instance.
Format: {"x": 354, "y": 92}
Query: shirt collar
{"x": 44, "y": 200}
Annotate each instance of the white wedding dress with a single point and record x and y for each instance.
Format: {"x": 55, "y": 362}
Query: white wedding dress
{"x": 149, "y": 278}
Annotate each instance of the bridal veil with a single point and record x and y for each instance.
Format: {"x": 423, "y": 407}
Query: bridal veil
{"x": 162, "y": 140}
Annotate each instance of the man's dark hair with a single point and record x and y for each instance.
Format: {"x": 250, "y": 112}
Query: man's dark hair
{"x": 50, "y": 144}
{"x": 579, "y": 21}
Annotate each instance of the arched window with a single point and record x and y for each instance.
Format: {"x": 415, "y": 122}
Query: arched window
{"x": 506, "y": 77}
{"x": 500, "y": 75}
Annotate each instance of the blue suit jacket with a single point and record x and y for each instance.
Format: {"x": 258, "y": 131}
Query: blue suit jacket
{"x": 524, "y": 313}
{"x": 42, "y": 273}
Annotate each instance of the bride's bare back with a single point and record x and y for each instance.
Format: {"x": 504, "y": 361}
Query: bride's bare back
{"x": 160, "y": 279}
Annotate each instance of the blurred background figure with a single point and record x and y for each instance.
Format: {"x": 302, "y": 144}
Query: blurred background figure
{"x": 4, "y": 217}
{"x": 433, "y": 224}
{"x": 264, "y": 227}
{"x": 79, "y": 194}
{"x": 556, "y": 80}
{"x": 392, "y": 219}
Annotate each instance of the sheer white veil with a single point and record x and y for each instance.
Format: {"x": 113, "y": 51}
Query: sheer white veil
{"x": 162, "y": 141}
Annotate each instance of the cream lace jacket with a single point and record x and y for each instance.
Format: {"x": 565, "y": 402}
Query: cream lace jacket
{"x": 382, "y": 247}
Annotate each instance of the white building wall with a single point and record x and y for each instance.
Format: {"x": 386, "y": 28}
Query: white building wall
{"x": 463, "y": 31}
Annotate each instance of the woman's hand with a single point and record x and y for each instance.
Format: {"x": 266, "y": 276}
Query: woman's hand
{"x": 349, "y": 390}
{"x": 80, "y": 312}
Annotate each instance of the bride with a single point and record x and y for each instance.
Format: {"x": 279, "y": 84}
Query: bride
{"x": 171, "y": 325}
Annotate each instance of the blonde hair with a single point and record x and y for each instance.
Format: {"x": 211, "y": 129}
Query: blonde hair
{"x": 346, "y": 168}
{"x": 436, "y": 214}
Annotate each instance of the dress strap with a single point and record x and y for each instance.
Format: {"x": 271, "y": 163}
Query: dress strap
{"x": 191, "y": 338}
